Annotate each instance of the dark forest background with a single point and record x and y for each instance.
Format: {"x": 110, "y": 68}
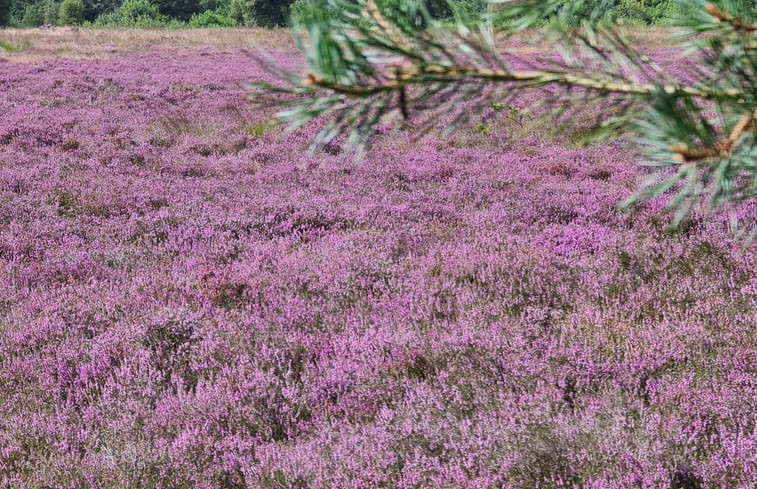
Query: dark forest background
{"x": 244, "y": 13}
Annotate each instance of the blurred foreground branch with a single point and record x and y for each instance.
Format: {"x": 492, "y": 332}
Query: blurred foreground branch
{"x": 369, "y": 62}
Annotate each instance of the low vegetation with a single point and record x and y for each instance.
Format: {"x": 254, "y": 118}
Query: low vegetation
{"x": 192, "y": 299}
{"x": 193, "y": 296}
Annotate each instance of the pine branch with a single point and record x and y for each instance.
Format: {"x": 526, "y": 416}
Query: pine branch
{"x": 403, "y": 78}
{"x": 725, "y": 17}
{"x": 390, "y": 30}
{"x": 367, "y": 60}
{"x": 722, "y": 148}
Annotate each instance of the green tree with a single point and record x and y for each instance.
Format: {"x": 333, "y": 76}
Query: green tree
{"x": 133, "y": 11}
{"x": 71, "y": 12}
{"x": 33, "y": 15}
{"x": 211, "y": 18}
{"x": 181, "y": 9}
{"x": 5, "y": 12}
{"x": 94, "y": 8}
{"x": 438, "y": 9}
{"x": 52, "y": 12}
{"x": 261, "y": 13}
{"x": 367, "y": 61}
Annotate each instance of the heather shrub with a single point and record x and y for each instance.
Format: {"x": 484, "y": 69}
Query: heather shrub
{"x": 190, "y": 302}
{"x": 71, "y": 12}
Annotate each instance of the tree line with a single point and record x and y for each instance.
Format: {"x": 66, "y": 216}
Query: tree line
{"x": 257, "y": 13}
{"x": 157, "y": 13}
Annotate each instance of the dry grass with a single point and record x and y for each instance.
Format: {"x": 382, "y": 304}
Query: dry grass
{"x": 538, "y": 41}
{"x": 75, "y": 43}
{"x": 651, "y": 37}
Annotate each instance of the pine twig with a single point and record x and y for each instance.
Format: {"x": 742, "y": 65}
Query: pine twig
{"x": 404, "y": 77}
{"x": 721, "y": 16}
{"x": 682, "y": 154}
{"x": 389, "y": 30}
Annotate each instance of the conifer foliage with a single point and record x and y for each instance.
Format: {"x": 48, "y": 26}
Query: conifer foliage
{"x": 368, "y": 62}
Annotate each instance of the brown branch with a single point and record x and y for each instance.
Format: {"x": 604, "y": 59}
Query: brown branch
{"x": 682, "y": 154}
{"x": 721, "y": 16}
{"x": 399, "y": 78}
{"x": 389, "y": 30}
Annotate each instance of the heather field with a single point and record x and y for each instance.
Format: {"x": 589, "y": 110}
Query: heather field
{"x": 188, "y": 299}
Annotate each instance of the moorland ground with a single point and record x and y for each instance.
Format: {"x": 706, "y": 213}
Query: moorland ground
{"x": 80, "y": 43}
{"x": 191, "y": 299}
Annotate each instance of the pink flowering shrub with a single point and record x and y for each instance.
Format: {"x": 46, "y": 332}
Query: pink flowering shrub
{"x": 189, "y": 300}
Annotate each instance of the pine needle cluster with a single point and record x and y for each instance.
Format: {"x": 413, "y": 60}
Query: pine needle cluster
{"x": 370, "y": 62}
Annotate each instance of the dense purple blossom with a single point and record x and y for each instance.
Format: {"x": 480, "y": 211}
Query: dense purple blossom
{"x": 190, "y": 300}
